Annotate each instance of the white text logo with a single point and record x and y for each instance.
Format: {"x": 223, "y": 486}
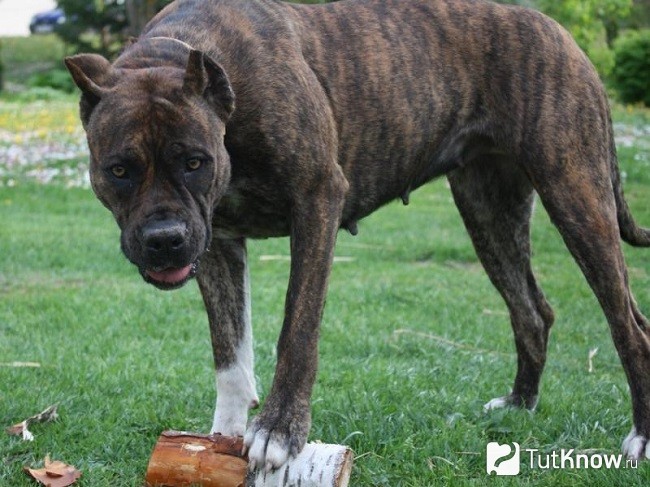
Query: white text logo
{"x": 570, "y": 459}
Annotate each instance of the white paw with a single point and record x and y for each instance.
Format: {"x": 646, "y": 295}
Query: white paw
{"x": 512, "y": 401}
{"x": 230, "y": 421}
{"x": 497, "y": 403}
{"x": 636, "y": 446}
{"x": 269, "y": 451}
{"x": 235, "y": 396}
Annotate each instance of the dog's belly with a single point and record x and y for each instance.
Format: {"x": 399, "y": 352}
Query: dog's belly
{"x": 256, "y": 206}
{"x": 393, "y": 170}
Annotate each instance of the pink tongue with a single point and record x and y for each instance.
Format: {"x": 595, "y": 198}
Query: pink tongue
{"x": 171, "y": 276}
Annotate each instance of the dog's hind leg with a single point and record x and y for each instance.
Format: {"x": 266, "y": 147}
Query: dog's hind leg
{"x": 580, "y": 198}
{"x": 224, "y": 284}
{"x": 495, "y": 199}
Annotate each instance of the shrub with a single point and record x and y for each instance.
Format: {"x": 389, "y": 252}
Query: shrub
{"x": 58, "y": 79}
{"x": 2, "y": 79}
{"x": 632, "y": 70}
{"x": 602, "y": 57}
{"x": 39, "y": 94}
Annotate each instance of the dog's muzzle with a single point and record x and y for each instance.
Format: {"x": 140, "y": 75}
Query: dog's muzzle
{"x": 169, "y": 261}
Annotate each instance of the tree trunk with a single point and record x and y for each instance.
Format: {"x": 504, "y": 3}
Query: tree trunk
{"x": 138, "y": 13}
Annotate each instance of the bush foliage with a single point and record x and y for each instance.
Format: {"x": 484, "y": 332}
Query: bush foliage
{"x": 632, "y": 70}
{"x": 1, "y": 69}
{"x": 93, "y": 26}
{"x": 58, "y": 79}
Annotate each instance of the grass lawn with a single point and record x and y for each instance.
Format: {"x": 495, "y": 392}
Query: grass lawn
{"x": 414, "y": 339}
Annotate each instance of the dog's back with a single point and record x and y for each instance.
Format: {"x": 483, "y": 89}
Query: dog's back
{"x": 418, "y": 87}
{"x": 424, "y": 85}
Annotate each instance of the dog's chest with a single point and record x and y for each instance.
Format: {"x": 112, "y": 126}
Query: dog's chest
{"x": 252, "y": 208}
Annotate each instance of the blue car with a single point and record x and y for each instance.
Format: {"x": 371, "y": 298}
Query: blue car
{"x": 45, "y": 22}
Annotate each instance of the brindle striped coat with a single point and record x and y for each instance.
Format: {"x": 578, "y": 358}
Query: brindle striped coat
{"x": 235, "y": 119}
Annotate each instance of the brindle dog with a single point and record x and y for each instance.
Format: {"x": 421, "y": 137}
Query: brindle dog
{"x": 236, "y": 119}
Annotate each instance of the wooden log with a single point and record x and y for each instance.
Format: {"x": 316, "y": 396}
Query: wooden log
{"x": 318, "y": 465}
{"x": 182, "y": 459}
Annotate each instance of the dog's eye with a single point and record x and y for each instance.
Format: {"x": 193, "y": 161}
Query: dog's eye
{"x": 118, "y": 171}
{"x": 193, "y": 164}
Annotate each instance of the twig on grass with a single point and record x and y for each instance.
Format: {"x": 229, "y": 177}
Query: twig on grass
{"x": 446, "y": 341}
{"x": 19, "y": 364}
{"x": 287, "y": 258}
{"x": 590, "y": 359}
{"x": 491, "y": 312}
{"x": 431, "y": 462}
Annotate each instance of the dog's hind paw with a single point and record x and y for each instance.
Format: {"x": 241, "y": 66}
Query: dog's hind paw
{"x": 497, "y": 403}
{"x": 511, "y": 401}
{"x": 636, "y": 446}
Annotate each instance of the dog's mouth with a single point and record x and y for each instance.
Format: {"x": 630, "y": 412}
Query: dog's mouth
{"x": 170, "y": 277}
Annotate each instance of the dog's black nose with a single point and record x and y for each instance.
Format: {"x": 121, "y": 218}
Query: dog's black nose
{"x": 164, "y": 237}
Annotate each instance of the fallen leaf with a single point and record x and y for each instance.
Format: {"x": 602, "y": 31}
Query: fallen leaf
{"x": 21, "y": 429}
{"x": 54, "y": 473}
{"x": 57, "y": 468}
{"x": 48, "y": 414}
{"x": 17, "y": 429}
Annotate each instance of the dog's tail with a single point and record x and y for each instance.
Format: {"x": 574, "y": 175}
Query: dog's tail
{"x": 631, "y": 233}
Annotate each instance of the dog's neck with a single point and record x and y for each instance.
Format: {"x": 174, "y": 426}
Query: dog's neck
{"x": 167, "y": 40}
{"x": 154, "y": 52}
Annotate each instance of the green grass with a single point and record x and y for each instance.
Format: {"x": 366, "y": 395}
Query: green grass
{"x": 414, "y": 341}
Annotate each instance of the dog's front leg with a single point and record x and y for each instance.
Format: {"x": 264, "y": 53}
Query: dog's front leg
{"x": 281, "y": 429}
{"x": 224, "y": 284}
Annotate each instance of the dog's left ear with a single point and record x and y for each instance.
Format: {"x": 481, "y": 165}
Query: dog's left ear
{"x": 89, "y": 72}
{"x": 204, "y": 77}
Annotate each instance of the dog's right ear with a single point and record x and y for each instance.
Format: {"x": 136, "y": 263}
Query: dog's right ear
{"x": 89, "y": 72}
{"x": 205, "y": 77}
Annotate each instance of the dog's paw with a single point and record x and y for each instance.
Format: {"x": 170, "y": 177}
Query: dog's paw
{"x": 511, "y": 401}
{"x": 274, "y": 437}
{"x": 497, "y": 403}
{"x": 636, "y": 446}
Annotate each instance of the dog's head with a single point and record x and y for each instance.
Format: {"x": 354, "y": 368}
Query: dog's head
{"x": 157, "y": 156}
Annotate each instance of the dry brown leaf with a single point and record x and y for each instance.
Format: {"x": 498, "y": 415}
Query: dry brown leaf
{"x": 21, "y": 429}
{"x": 48, "y": 414}
{"x": 17, "y": 429}
{"x": 54, "y": 473}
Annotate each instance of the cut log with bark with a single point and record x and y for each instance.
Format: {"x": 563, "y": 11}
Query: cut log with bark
{"x": 182, "y": 459}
